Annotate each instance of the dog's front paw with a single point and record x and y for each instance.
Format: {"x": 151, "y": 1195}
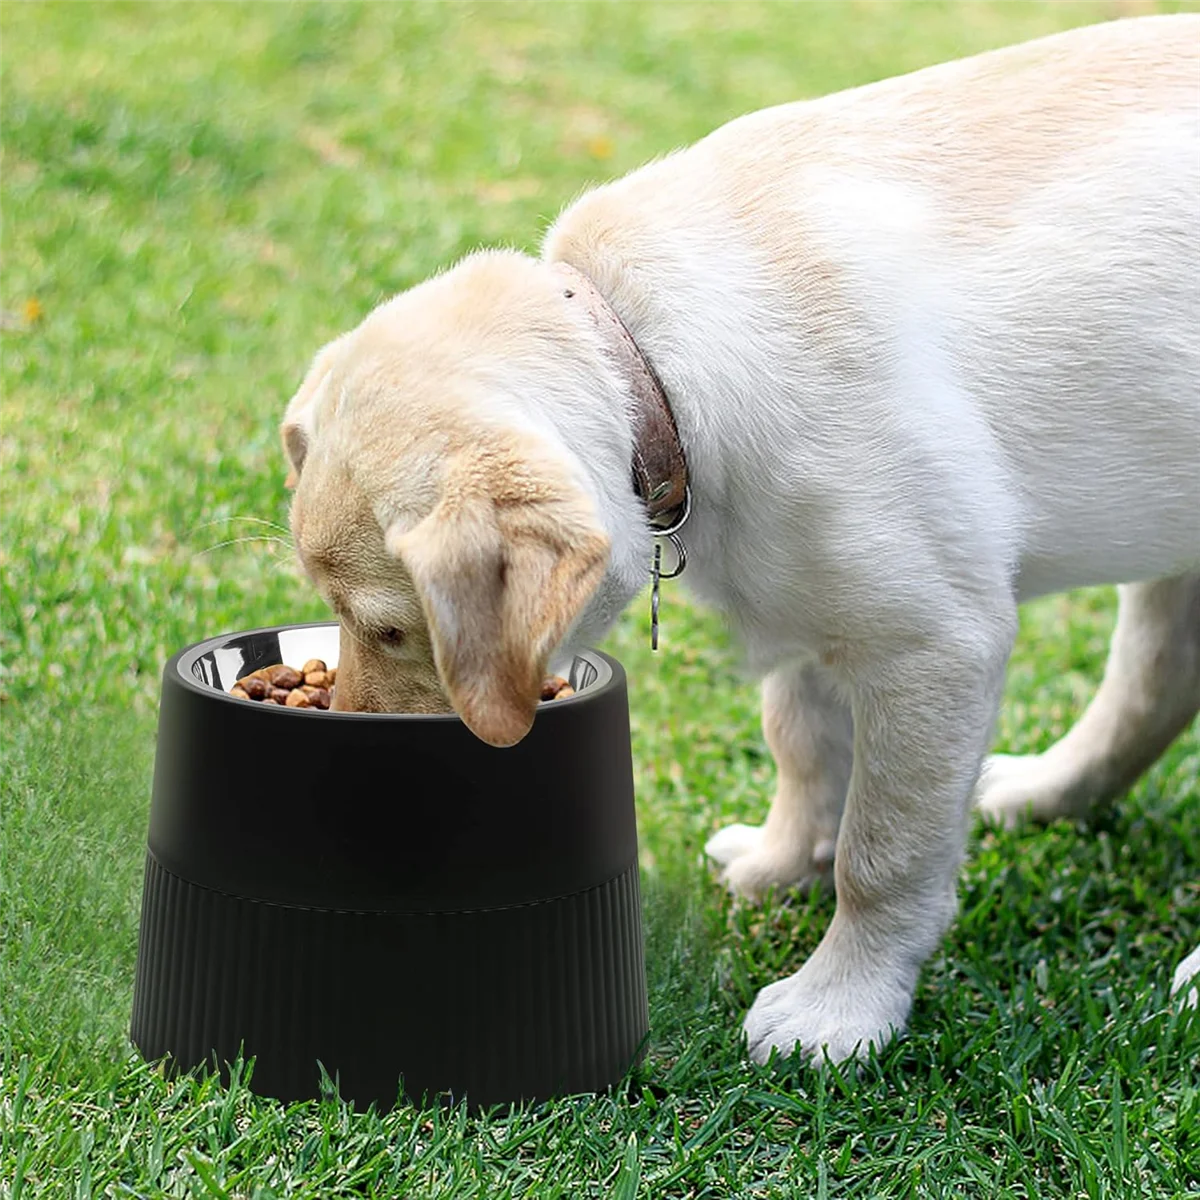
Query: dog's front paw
{"x": 733, "y": 842}
{"x": 750, "y": 864}
{"x": 826, "y": 1011}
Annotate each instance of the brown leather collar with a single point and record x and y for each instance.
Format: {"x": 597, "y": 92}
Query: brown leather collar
{"x": 660, "y": 476}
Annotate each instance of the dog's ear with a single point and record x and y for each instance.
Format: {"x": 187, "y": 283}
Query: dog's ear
{"x": 502, "y": 575}
{"x": 298, "y": 418}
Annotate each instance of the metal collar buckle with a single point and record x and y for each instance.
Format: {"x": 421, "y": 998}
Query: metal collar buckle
{"x": 671, "y": 533}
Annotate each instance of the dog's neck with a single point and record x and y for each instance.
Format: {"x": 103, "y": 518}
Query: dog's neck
{"x": 659, "y": 465}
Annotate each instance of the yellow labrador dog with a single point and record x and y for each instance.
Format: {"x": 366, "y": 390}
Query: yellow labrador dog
{"x": 914, "y": 353}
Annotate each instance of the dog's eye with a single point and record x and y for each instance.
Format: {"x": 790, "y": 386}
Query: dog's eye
{"x": 391, "y": 636}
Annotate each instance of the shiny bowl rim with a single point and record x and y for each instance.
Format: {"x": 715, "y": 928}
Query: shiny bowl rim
{"x": 182, "y": 661}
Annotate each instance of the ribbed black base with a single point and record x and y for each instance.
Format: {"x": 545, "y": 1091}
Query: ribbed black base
{"x": 499, "y": 1005}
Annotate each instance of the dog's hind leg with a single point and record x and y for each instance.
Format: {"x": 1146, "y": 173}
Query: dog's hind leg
{"x": 810, "y": 732}
{"x": 1150, "y": 691}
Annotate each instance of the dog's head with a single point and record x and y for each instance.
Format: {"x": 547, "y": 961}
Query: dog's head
{"x": 451, "y": 534}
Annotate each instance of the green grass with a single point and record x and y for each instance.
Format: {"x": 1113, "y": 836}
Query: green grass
{"x": 194, "y": 198}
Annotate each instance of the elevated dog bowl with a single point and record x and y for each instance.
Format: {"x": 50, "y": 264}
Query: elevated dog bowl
{"x": 386, "y": 895}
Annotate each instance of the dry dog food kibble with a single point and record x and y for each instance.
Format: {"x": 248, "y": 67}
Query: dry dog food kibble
{"x": 555, "y": 687}
{"x": 309, "y": 687}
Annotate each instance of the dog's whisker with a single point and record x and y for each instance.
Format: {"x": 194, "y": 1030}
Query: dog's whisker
{"x": 274, "y": 541}
{"x": 283, "y": 529}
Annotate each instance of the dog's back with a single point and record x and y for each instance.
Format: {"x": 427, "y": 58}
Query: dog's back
{"x": 1009, "y": 244}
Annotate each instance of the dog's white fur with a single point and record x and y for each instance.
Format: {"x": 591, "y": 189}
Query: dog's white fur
{"x": 933, "y": 347}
